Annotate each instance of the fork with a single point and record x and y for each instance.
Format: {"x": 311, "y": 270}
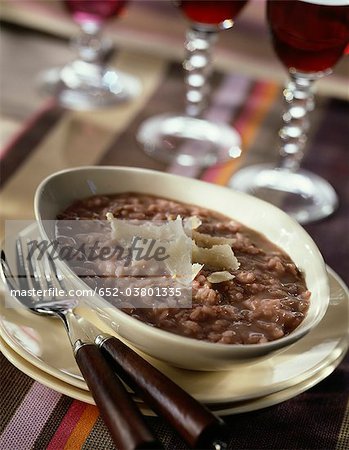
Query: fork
{"x": 118, "y": 410}
{"x": 197, "y": 425}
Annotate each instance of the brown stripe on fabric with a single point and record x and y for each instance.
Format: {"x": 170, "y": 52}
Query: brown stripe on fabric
{"x": 169, "y": 97}
{"x": 165, "y": 433}
{"x": 99, "y": 438}
{"x": 10, "y": 376}
{"x": 53, "y": 423}
{"x": 328, "y": 156}
{"x": 343, "y": 437}
{"x": 28, "y": 139}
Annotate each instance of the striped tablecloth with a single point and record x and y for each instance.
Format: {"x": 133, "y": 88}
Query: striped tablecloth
{"x": 36, "y": 417}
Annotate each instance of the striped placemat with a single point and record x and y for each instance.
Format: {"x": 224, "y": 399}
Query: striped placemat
{"x": 34, "y": 416}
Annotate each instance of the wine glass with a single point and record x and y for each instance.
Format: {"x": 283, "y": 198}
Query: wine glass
{"x": 86, "y": 83}
{"x": 309, "y": 37}
{"x": 189, "y": 139}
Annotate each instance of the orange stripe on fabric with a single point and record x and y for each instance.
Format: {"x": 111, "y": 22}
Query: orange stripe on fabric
{"x": 82, "y": 429}
{"x": 248, "y": 123}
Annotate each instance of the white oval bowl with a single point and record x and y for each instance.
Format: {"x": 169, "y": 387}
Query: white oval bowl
{"x": 60, "y": 189}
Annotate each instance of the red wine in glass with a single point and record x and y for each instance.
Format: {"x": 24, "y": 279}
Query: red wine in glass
{"x": 87, "y": 82}
{"x": 187, "y": 139}
{"x": 211, "y": 12}
{"x": 94, "y": 10}
{"x": 309, "y": 37}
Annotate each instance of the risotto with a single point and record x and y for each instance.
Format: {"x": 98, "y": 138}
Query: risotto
{"x": 262, "y": 299}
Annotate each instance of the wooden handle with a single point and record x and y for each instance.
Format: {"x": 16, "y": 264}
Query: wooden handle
{"x": 193, "y": 421}
{"x": 120, "y": 414}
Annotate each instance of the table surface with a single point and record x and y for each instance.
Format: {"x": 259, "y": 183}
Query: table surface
{"x": 38, "y": 138}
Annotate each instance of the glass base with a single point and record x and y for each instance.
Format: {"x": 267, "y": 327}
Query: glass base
{"x": 81, "y": 85}
{"x": 188, "y": 141}
{"x": 302, "y": 194}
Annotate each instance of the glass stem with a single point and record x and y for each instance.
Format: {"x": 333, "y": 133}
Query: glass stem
{"x": 89, "y": 44}
{"x": 198, "y": 68}
{"x": 299, "y": 98}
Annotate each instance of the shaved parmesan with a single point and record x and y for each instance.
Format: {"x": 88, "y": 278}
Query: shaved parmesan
{"x": 179, "y": 262}
{"x": 126, "y": 231}
{"x": 191, "y": 223}
{"x": 206, "y": 240}
{"x": 180, "y": 259}
{"x": 195, "y": 269}
{"x": 220, "y": 256}
{"x": 219, "y": 277}
{"x": 214, "y": 251}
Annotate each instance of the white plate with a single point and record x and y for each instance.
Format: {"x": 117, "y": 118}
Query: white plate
{"x": 222, "y": 410}
{"x": 61, "y": 189}
{"x": 42, "y": 342}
